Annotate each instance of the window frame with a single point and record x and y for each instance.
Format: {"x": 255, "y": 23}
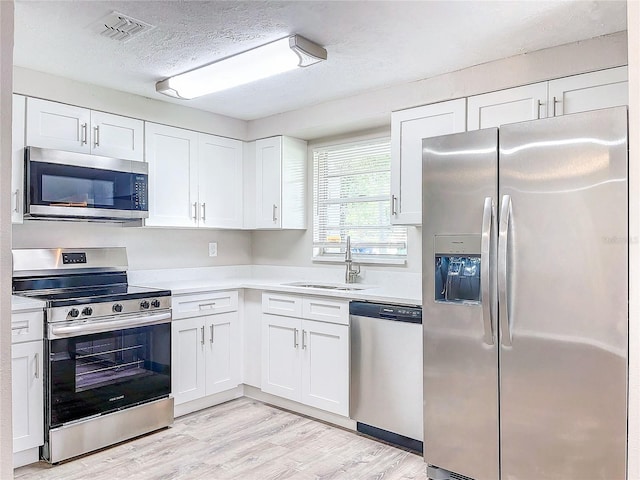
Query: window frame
{"x": 377, "y": 259}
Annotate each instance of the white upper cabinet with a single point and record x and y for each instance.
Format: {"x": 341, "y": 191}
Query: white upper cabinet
{"x": 268, "y": 183}
{"x": 75, "y": 129}
{"x": 279, "y": 183}
{"x": 220, "y": 181}
{"x": 507, "y": 106}
{"x": 59, "y": 126}
{"x": 578, "y": 93}
{"x": 17, "y": 158}
{"x": 195, "y": 180}
{"x": 172, "y": 156}
{"x": 590, "y": 91}
{"x": 116, "y": 136}
{"x": 408, "y": 128}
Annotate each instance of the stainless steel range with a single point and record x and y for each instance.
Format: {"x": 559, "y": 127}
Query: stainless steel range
{"x": 107, "y": 348}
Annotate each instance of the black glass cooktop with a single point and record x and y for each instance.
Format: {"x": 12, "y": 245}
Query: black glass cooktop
{"x": 60, "y": 291}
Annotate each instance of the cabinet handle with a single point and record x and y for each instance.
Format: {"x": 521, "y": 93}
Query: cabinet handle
{"x": 17, "y": 195}
{"x": 275, "y": 217}
{"x": 211, "y": 341}
{"x": 539, "y": 105}
{"x": 96, "y": 136}
{"x": 83, "y": 134}
{"x": 37, "y": 375}
{"x": 555, "y": 101}
{"x": 195, "y": 211}
{"x": 394, "y": 205}
{"x": 202, "y": 330}
{"x": 304, "y": 333}
{"x": 204, "y": 211}
{"x": 295, "y": 338}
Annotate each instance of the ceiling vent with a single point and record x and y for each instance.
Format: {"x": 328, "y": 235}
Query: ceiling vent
{"x": 121, "y": 27}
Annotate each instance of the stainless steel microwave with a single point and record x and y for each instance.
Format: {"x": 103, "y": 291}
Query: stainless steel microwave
{"x": 72, "y": 185}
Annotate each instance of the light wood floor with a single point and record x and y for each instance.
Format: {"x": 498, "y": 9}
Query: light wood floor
{"x": 242, "y": 439}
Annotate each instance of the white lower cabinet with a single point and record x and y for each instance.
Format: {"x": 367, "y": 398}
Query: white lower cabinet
{"x": 306, "y": 360}
{"x": 27, "y": 386}
{"x": 206, "y": 347}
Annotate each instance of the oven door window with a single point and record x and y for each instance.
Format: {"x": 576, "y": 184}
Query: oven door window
{"x": 99, "y": 373}
{"x": 53, "y": 184}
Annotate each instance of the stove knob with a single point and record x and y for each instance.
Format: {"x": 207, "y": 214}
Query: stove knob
{"x": 87, "y": 311}
{"x": 144, "y": 305}
{"x": 117, "y": 308}
{"x": 74, "y": 312}
{"x": 155, "y": 303}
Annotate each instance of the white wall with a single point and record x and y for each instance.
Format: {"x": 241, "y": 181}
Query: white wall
{"x": 6, "y": 60}
{"x": 147, "y": 248}
{"x": 294, "y": 248}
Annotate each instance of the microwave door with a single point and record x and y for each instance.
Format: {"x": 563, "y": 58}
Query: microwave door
{"x": 82, "y": 189}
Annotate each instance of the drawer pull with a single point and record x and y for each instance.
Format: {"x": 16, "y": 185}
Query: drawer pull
{"x": 207, "y": 306}
{"x": 19, "y": 326}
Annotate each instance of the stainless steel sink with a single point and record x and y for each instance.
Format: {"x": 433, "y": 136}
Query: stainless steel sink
{"x": 326, "y": 286}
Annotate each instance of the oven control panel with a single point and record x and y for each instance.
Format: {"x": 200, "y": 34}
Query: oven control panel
{"x": 74, "y": 258}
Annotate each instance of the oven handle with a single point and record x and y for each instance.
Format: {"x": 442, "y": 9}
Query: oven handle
{"x": 64, "y": 331}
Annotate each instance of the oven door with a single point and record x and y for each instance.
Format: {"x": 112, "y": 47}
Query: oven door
{"x": 96, "y": 373}
{"x": 64, "y": 184}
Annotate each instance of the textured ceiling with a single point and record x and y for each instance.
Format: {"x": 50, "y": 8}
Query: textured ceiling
{"x": 370, "y": 44}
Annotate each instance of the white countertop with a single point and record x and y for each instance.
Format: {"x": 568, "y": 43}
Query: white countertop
{"x": 403, "y": 289}
{"x": 19, "y": 304}
{"x": 403, "y": 293}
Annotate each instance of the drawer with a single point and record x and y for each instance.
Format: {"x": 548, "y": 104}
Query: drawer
{"x": 201, "y": 304}
{"x": 285, "y": 305}
{"x": 325, "y": 310}
{"x": 27, "y": 326}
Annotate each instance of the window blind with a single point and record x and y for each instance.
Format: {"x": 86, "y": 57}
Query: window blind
{"x": 351, "y": 196}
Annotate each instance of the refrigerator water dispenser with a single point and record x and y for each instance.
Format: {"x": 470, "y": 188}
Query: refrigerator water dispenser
{"x": 457, "y": 269}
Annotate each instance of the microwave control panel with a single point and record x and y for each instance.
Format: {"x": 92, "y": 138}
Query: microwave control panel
{"x": 140, "y": 192}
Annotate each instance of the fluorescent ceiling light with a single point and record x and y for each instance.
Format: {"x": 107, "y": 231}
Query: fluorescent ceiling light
{"x": 261, "y": 62}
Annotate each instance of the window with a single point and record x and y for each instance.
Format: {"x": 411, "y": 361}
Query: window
{"x": 351, "y": 196}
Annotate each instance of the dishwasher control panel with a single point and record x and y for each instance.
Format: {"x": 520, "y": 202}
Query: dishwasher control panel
{"x": 392, "y": 312}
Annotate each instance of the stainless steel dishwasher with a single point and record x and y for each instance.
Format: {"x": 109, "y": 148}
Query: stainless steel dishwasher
{"x": 386, "y": 372}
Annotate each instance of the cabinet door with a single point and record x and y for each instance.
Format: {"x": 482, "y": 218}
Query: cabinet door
{"x": 281, "y": 356}
{"x": 188, "y": 359}
{"x": 17, "y": 158}
{"x": 27, "y": 395}
{"x": 507, "y": 106}
{"x": 56, "y": 125}
{"x": 220, "y": 182}
{"x": 223, "y": 352}
{"x": 268, "y": 182}
{"x": 590, "y": 91}
{"x": 172, "y": 157}
{"x": 408, "y": 128}
{"x": 116, "y": 136}
{"x": 325, "y": 366}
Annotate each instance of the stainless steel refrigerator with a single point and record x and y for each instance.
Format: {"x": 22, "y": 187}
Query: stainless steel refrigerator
{"x": 525, "y": 300}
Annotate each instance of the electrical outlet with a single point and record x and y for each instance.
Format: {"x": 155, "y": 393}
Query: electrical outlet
{"x": 213, "y": 249}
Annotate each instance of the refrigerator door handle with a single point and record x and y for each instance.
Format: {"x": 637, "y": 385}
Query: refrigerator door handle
{"x": 503, "y": 294}
{"x": 485, "y": 277}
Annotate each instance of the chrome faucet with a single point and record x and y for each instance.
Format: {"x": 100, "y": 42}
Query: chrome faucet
{"x": 351, "y": 273}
